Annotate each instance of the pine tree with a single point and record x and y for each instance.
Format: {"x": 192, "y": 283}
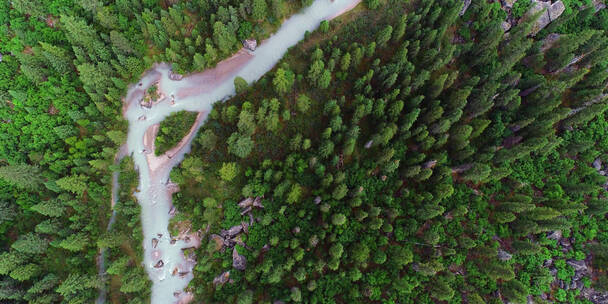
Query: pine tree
{"x": 30, "y": 243}
{"x": 21, "y": 175}
{"x": 441, "y": 290}
{"x": 515, "y": 291}
{"x": 240, "y": 145}
{"x": 497, "y": 271}
{"x": 223, "y": 38}
{"x": 384, "y": 35}
{"x": 259, "y": 8}
{"x": 52, "y": 208}
{"x": 283, "y": 80}
{"x": 25, "y": 272}
{"x": 240, "y": 84}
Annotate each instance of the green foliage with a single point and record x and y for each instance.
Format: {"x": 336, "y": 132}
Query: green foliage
{"x": 228, "y": 171}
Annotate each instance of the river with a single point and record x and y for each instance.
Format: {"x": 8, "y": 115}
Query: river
{"x": 196, "y": 92}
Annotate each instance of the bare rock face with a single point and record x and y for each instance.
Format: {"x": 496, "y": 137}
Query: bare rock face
{"x": 551, "y": 12}
{"x": 239, "y": 262}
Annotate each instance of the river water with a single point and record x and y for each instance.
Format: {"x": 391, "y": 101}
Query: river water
{"x": 196, "y": 92}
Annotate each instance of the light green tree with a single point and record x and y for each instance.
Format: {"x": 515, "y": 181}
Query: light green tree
{"x": 228, "y": 171}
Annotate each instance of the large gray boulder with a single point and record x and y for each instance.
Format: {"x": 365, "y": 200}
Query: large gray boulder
{"x": 239, "y": 262}
{"x": 577, "y": 265}
{"x": 503, "y": 255}
{"x": 550, "y": 12}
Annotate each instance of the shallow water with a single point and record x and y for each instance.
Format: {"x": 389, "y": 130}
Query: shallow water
{"x": 202, "y": 90}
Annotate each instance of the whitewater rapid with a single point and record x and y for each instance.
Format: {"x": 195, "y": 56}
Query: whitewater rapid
{"x": 197, "y": 93}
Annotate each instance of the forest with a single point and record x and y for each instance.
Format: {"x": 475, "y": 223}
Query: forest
{"x": 409, "y": 151}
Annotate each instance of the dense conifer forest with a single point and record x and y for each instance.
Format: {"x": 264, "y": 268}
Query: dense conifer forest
{"x": 408, "y": 151}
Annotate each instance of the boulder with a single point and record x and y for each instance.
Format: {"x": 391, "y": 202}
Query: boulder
{"x": 553, "y": 271}
{"x": 250, "y": 44}
{"x": 154, "y": 242}
{"x": 577, "y": 265}
{"x": 246, "y": 210}
{"x": 506, "y": 26}
{"x": 174, "y": 76}
{"x": 597, "y": 164}
{"x": 257, "y": 202}
{"x": 159, "y": 264}
{"x": 246, "y": 202}
{"x": 234, "y": 230}
{"x": 219, "y": 241}
{"x": 554, "y": 235}
{"x": 509, "y": 3}
{"x": 503, "y": 255}
{"x": 430, "y": 164}
{"x": 245, "y": 226}
{"x": 598, "y": 4}
{"x": 317, "y": 200}
{"x": 222, "y": 278}
{"x": 239, "y": 262}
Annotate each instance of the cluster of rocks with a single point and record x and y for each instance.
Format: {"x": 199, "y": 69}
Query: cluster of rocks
{"x": 581, "y": 268}
{"x": 231, "y": 237}
{"x": 175, "y": 76}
